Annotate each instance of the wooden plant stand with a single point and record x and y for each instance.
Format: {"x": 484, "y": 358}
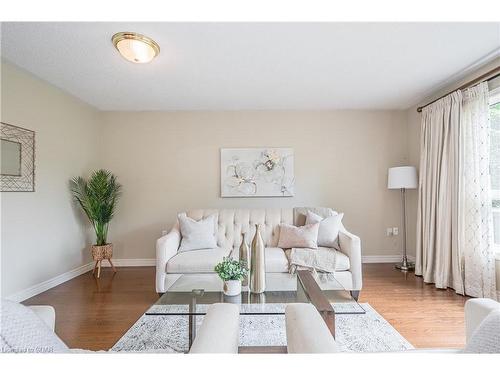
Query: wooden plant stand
{"x": 99, "y": 253}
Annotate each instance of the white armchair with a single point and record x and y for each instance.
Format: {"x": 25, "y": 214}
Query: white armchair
{"x": 308, "y": 333}
{"x": 46, "y": 313}
{"x": 30, "y": 329}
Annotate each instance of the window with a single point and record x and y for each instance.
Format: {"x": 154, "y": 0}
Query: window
{"x": 495, "y": 163}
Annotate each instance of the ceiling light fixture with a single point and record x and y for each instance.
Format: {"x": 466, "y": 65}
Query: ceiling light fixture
{"x": 135, "y": 47}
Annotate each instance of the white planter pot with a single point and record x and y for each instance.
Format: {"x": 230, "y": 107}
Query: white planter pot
{"x": 232, "y": 287}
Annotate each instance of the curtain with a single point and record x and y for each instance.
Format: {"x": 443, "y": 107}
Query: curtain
{"x": 454, "y": 222}
{"x": 475, "y": 211}
{"x": 437, "y": 258}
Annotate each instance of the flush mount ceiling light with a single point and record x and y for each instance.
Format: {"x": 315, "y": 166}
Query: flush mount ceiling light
{"x": 135, "y": 47}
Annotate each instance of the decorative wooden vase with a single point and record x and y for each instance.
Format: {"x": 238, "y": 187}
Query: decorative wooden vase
{"x": 244, "y": 256}
{"x": 99, "y": 253}
{"x": 258, "y": 264}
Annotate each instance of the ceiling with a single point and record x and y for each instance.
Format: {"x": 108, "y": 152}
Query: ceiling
{"x": 255, "y": 66}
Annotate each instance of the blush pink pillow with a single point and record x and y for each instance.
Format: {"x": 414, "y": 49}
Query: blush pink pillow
{"x": 300, "y": 237}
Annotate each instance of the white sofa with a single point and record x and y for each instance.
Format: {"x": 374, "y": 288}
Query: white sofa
{"x": 307, "y": 332}
{"x": 170, "y": 264}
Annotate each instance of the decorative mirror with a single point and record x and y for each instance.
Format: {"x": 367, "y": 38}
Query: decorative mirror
{"x": 17, "y": 167}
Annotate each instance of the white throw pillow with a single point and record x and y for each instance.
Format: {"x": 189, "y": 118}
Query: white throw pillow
{"x": 328, "y": 228}
{"x": 199, "y": 234}
{"x": 486, "y": 337}
{"x": 292, "y": 236}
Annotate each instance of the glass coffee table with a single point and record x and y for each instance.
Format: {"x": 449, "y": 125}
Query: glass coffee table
{"x": 191, "y": 295}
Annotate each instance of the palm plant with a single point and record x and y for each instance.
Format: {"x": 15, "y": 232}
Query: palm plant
{"x": 97, "y": 197}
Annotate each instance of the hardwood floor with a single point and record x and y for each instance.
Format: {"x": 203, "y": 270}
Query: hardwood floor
{"x": 94, "y": 314}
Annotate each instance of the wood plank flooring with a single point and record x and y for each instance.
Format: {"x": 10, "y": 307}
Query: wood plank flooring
{"x": 94, "y": 314}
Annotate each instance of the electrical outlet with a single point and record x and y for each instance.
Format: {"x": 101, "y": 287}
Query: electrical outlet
{"x": 389, "y": 231}
{"x": 395, "y": 231}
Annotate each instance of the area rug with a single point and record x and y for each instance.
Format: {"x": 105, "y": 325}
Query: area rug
{"x": 368, "y": 332}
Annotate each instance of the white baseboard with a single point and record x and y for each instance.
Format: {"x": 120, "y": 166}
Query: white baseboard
{"x": 145, "y": 262}
{"x": 55, "y": 281}
{"x": 48, "y": 284}
{"x": 384, "y": 258}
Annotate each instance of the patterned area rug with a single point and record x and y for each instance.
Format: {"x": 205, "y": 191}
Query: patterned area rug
{"x": 354, "y": 333}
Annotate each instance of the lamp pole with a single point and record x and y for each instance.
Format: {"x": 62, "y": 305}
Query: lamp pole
{"x": 404, "y": 265}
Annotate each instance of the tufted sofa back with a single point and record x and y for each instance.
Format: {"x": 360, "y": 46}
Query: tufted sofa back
{"x": 233, "y": 222}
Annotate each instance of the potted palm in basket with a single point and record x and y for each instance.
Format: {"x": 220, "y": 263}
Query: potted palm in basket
{"x": 97, "y": 197}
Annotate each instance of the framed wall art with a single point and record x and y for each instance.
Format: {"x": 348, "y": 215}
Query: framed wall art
{"x": 17, "y": 167}
{"x": 257, "y": 172}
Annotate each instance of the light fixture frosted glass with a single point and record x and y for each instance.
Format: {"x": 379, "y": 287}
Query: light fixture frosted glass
{"x": 135, "y": 47}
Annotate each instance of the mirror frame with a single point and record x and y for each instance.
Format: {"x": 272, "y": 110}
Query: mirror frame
{"x": 26, "y": 181}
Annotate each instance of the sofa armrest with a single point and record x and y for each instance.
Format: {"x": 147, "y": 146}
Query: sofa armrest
{"x": 220, "y": 330}
{"x": 476, "y": 309}
{"x": 350, "y": 245}
{"x": 46, "y": 313}
{"x": 166, "y": 248}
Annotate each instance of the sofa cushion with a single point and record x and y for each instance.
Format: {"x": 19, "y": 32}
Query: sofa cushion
{"x": 299, "y": 237}
{"x": 276, "y": 260}
{"x": 22, "y": 331}
{"x": 300, "y": 213}
{"x": 328, "y": 228}
{"x": 196, "y": 261}
{"x": 197, "y": 234}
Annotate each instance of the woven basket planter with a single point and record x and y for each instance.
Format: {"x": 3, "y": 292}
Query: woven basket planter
{"x": 102, "y": 252}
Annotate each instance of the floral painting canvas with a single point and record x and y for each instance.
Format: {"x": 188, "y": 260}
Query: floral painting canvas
{"x": 257, "y": 172}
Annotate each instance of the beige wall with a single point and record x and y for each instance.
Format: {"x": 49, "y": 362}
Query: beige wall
{"x": 168, "y": 162}
{"x": 42, "y": 235}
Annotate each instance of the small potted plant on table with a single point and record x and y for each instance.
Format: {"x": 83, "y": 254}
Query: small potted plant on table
{"x": 97, "y": 197}
{"x": 231, "y": 272}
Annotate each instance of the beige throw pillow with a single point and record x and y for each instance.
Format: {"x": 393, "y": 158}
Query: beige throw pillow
{"x": 199, "y": 234}
{"x": 328, "y": 228}
{"x": 299, "y": 237}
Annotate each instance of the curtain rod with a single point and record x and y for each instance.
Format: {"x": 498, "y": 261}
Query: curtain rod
{"x": 488, "y": 76}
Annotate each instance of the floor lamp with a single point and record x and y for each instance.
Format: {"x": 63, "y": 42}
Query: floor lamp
{"x": 403, "y": 178}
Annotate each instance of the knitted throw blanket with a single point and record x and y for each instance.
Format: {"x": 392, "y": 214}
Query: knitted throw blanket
{"x": 321, "y": 259}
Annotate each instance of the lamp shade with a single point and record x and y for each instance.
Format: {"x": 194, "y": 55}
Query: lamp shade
{"x": 402, "y": 177}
